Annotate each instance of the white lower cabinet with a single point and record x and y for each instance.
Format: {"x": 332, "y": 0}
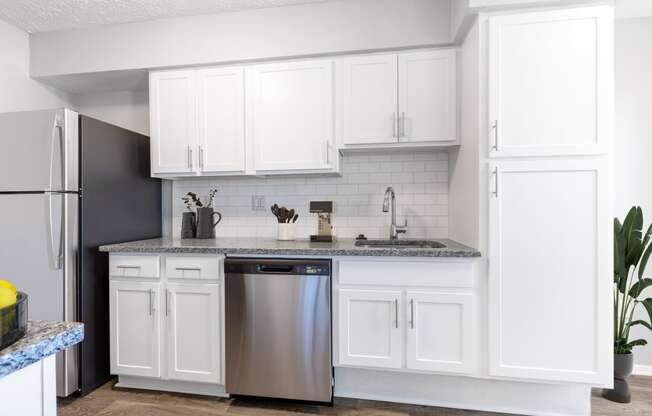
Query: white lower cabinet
{"x": 193, "y": 313}
{"x": 135, "y": 329}
{"x": 168, "y": 329}
{"x": 370, "y": 328}
{"x": 440, "y": 332}
{"x": 410, "y": 326}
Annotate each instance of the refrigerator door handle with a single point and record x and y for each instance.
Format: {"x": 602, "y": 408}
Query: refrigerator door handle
{"x": 57, "y": 165}
{"x": 54, "y": 256}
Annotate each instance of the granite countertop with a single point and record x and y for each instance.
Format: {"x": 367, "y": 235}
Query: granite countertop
{"x": 270, "y": 246}
{"x": 43, "y": 338}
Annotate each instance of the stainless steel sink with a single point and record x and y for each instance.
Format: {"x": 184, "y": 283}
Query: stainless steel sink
{"x": 399, "y": 244}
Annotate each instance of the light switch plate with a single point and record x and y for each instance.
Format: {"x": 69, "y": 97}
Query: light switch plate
{"x": 258, "y": 202}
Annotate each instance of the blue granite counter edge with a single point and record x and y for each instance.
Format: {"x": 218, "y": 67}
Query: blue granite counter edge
{"x": 42, "y": 340}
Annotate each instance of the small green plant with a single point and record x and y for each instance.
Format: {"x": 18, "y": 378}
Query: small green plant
{"x": 632, "y": 251}
{"x": 192, "y": 200}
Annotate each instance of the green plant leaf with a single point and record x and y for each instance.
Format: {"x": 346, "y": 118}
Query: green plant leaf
{"x": 643, "y": 262}
{"x": 641, "y": 322}
{"x": 636, "y": 342}
{"x": 619, "y": 251}
{"x": 638, "y": 287}
{"x": 647, "y": 303}
{"x": 648, "y": 234}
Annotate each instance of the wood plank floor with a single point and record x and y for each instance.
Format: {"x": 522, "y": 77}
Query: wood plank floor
{"x": 108, "y": 401}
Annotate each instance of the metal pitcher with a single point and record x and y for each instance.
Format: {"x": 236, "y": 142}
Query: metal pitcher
{"x": 205, "y": 224}
{"x": 188, "y": 225}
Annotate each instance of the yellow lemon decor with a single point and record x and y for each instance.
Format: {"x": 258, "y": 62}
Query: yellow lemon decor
{"x": 7, "y": 284}
{"x": 7, "y": 297}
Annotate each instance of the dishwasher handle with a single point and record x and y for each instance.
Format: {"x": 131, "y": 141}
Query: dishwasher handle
{"x": 275, "y": 268}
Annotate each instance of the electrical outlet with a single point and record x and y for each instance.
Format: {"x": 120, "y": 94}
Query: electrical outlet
{"x": 258, "y": 203}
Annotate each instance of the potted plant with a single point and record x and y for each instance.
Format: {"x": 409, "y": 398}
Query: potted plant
{"x": 632, "y": 250}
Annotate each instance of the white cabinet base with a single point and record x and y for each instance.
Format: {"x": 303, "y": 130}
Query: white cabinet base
{"x": 464, "y": 392}
{"x": 187, "y": 387}
{"x": 31, "y": 391}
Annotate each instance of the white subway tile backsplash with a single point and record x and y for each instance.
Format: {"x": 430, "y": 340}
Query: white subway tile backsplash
{"x": 420, "y": 179}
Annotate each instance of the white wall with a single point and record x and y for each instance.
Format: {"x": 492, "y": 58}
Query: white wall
{"x": 17, "y": 91}
{"x": 633, "y": 135}
{"x": 126, "y": 109}
{"x": 420, "y": 179}
{"x": 329, "y": 27}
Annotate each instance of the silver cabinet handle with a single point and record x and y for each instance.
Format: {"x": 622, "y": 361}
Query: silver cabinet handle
{"x": 187, "y": 269}
{"x": 402, "y": 124}
{"x": 412, "y": 313}
{"x": 167, "y": 300}
{"x": 495, "y": 175}
{"x": 190, "y": 157}
{"x": 151, "y": 302}
{"x": 395, "y": 126}
{"x": 201, "y": 157}
{"x": 494, "y": 127}
{"x": 127, "y": 267}
{"x": 396, "y": 312}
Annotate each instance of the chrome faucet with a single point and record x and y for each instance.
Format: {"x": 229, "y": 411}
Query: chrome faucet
{"x": 394, "y": 230}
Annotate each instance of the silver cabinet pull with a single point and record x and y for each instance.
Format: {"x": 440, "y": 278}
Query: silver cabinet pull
{"x": 201, "y": 157}
{"x": 188, "y": 269}
{"x": 495, "y": 175}
{"x": 167, "y": 300}
{"x": 402, "y": 124}
{"x": 127, "y": 267}
{"x": 151, "y": 302}
{"x": 396, "y": 312}
{"x": 190, "y": 157}
{"x": 412, "y": 313}
{"x": 494, "y": 127}
{"x": 395, "y": 126}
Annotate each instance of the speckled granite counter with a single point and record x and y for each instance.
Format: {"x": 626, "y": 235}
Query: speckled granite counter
{"x": 43, "y": 338}
{"x": 269, "y": 246}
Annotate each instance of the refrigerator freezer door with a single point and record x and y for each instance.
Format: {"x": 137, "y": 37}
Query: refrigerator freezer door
{"x": 38, "y": 151}
{"x": 38, "y": 240}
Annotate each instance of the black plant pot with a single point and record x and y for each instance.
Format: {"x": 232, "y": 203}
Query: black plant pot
{"x": 623, "y": 366}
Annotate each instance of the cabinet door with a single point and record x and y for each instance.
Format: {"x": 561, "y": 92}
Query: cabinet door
{"x": 172, "y": 121}
{"x": 551, "y": 82}
{"x": 367, "y": 98}
{"x": 290, "y": 115}
{"x": 370, "y": 328}
{"x": 135, "y": 329}
{"x": 550, "y": 283}
{"x": 440, "y": 332}
{"x": 427, "y": 91}
{"x": 220, "y": 117}
{"x": 194, "y": 318}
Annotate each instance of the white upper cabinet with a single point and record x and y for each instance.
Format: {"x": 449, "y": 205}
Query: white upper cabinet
{"x": 290, "y": 116}
{"x": 397, "y": 98}
{"x": 220, "y": 119}
{"x": 367, "y": 99}
{"x": 172, "y": 122}
{"x": 550, "y": 82}
{"x": 550, "y": 263}
{"x": 427, "y": 91}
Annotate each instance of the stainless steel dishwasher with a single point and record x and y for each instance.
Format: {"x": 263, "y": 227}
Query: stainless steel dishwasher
{"x": 278, "y": 328}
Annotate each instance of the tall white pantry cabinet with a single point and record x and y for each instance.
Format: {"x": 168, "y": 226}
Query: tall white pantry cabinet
{"x": 534, "y": 167}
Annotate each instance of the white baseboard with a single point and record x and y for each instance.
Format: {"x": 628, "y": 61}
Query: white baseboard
{"x": 144, "y": 383}
{"x": 642, "y": 370}
{"x": 535, "y": 399}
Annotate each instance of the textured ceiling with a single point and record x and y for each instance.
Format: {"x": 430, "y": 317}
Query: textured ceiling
{"x": 48, "y": 15}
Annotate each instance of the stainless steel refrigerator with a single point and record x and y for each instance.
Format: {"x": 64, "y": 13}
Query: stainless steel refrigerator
{"x": 68, "y": 184}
